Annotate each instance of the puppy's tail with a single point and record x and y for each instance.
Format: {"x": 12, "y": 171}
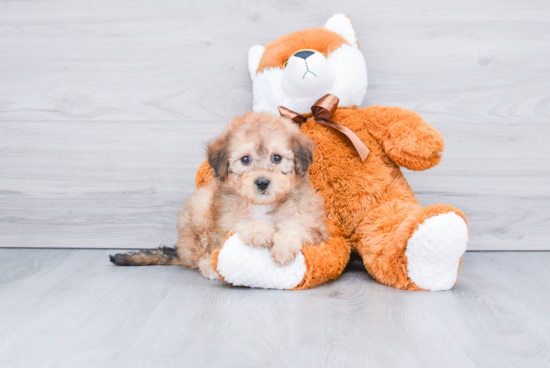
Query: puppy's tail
{"x": 146, "y": 257}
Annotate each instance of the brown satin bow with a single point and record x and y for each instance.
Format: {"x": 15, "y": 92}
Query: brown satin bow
{"x": 322, "y": 111}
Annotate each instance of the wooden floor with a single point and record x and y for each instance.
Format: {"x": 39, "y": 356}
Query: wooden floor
{"x": 72, "y": 308}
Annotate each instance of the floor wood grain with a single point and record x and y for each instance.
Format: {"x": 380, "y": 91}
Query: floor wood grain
{"x": 72, "y": 308}
{"x": 105, "y": 108}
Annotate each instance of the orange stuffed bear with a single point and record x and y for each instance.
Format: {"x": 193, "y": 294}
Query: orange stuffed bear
{"x": 370, "y": 208}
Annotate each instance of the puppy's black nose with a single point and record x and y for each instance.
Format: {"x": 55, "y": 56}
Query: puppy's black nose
{"x": 262, "y": 183}
{"x": 304, "y": 54}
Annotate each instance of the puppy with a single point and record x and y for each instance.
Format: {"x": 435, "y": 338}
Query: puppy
{"x": 260, "y": 191}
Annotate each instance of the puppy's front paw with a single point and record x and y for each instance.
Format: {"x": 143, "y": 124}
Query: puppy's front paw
{"x": 257, "y": 234}
{"x": 285, "y": 249}
{"x": 206, "y": 269}
{"x": 283, "y": 256}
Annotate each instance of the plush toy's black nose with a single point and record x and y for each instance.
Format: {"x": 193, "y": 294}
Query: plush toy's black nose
{"x": 262, "y": 184}
{"x": 304, "y": 54}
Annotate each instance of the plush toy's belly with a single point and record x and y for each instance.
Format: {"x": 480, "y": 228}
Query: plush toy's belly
{"x": 350, "y": 187}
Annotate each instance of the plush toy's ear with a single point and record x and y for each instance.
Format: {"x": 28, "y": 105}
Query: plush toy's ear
{"x": 341, "y": 24}
{"x": 254, "y": 56}
{"x": 217, "y": 154}
{"x": 302, "y": 147}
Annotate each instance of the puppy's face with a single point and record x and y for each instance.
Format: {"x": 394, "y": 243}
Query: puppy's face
{"x": 261, "y": 157}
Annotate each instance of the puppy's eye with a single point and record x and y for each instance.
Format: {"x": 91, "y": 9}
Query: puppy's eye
{"x": 276, "y": 159}
{"x": 245, "y": 160}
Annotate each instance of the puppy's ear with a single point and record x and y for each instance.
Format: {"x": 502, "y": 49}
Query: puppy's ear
{"x": 217, "y": 154}
{"x": 302, "y": 147}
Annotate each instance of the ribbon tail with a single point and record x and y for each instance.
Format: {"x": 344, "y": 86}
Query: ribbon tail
{"x": 360, "y": 147}
{"x": 292, "y": 115}
{"x": 323, "y": 110}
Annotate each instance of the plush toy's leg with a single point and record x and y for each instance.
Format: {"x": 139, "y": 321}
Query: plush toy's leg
{"x": 414, "y": 248}
{"x": 322, "y": 263}
{"x": 326, "y": 261}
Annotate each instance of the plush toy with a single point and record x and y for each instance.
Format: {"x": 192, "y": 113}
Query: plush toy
{"x": 370, "y": 208}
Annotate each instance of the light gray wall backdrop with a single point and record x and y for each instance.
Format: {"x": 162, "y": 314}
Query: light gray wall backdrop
{"x": 105, "y": 107}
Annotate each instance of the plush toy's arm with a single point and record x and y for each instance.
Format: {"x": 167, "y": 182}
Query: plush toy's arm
{"x": 406, "y": 137}
{"x": 204, "y": 174}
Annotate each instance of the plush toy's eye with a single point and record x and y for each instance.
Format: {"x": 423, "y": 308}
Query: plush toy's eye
{"x": 245, "y": 160}
{"x": 276, "y": 159}
{"x": 284, "y": 64}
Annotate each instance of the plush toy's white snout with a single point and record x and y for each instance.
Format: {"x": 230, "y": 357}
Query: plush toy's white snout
{"x": 307, "y": 74}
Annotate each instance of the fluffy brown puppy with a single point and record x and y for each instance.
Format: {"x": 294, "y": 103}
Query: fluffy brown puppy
{"x": 261, "y": 191}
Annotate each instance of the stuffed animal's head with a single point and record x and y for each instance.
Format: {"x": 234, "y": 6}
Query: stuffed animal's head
{"x": 297, "y": 69}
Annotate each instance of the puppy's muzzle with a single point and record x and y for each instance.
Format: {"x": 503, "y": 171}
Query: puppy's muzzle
{"x": 262, "y": 184}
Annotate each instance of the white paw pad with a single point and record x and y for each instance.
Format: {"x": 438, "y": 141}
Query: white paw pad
{"x": 243, "y": 265}
{"x": 434, "y": 251}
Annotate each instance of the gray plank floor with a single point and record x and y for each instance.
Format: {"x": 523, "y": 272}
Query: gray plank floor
{"x": 105, "y": 107}
{"x": 71, "y": 308}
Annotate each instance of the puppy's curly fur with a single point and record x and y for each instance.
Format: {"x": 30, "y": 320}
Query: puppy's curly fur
{"x": 261, "y": 191}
